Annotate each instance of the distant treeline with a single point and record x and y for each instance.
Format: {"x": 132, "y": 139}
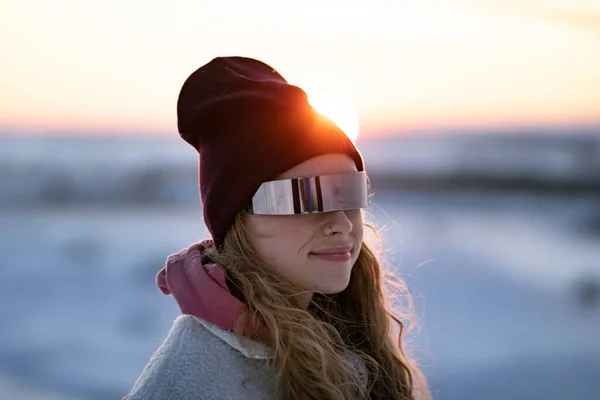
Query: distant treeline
{"x": 161, "y": 170}
{"x": 485, "y": 183}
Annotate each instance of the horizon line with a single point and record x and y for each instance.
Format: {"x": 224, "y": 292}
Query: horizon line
{"x": 366, "y": 134}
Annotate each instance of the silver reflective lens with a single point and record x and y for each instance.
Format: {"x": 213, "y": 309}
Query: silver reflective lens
{"x": 313, "y": 194}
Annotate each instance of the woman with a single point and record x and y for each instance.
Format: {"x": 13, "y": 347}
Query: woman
{"x": 287, "y": 299}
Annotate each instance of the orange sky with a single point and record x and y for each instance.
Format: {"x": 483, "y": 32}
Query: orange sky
{"x": 83, "y": 65}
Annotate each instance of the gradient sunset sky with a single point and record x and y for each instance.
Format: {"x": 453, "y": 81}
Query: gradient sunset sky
{"x": 80, "y": 66}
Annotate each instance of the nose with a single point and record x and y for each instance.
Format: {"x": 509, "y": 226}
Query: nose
{"x": 338, "y": 223}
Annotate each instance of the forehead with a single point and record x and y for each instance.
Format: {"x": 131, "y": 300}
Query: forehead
{"x": 321, "y": 165}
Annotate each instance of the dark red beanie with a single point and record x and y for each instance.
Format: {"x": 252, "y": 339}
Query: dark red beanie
{"x": 249, "y": 126}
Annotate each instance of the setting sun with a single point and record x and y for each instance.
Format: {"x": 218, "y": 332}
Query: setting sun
{"x": 339, "y": 111}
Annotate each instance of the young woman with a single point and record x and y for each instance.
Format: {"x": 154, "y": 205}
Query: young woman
{"x": 287, "y": 300}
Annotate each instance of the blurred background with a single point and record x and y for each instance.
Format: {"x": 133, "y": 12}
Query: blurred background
{"x": 479, "y": 122}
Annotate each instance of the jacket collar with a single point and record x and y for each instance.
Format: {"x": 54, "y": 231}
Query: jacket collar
{"x": 248, "y": 347}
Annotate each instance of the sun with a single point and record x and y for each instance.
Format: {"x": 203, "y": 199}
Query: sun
{"x": 339, "y": 110}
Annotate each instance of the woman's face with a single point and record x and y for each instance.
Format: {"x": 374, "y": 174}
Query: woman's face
{"x": 314, "y": 251}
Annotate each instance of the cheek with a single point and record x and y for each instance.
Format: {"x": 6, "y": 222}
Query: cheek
{"x": 281, "y": 250}
{"x": 358, "y": 233}
{"x": 290, "y": 238}
{"x": 356, "y": 218}
{"x": 279, "y": 228}
{"x": 275, "y": 236}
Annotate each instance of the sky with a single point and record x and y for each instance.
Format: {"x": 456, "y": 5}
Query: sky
{"x": 87, "y": 66}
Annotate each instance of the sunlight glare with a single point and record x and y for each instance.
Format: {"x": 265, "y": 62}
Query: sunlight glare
{"x": 339, "y": 110}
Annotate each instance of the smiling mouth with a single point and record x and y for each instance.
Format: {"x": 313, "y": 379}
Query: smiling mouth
{"x": 336, "y": 254}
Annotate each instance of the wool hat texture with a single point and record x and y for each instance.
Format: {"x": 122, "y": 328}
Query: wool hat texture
{"x": 249, "y": 125}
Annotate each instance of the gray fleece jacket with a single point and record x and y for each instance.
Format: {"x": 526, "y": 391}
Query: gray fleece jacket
{"x": 199, "y": 360}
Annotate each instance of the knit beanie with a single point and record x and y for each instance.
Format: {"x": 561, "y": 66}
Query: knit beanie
{"x": 248, "y": 125}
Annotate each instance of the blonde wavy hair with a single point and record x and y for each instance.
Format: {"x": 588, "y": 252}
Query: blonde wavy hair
{"x": 308, "y": 344}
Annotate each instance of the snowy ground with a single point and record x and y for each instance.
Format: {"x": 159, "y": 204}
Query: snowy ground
{"x": 493, "y": 277}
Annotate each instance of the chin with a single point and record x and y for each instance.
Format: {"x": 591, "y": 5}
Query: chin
{"x": 332, "y": 287}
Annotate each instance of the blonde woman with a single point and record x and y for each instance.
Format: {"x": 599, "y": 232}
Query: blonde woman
{"x": 286, "y": 300}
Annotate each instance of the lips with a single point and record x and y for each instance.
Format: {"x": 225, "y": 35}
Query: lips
{"x": 334, "y": 254}
{"x": 333, "y": 250}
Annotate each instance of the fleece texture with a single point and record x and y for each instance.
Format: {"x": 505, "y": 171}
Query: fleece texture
{"x": 200, "y": 361}
{"x": 196, "y": 362}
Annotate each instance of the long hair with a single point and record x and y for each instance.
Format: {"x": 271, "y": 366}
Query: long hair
{"x": 309, "y": 343}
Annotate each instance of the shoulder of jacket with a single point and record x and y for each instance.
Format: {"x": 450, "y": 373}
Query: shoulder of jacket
{"x": 178, "y": 364}
{"x": 194, "y": 356}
